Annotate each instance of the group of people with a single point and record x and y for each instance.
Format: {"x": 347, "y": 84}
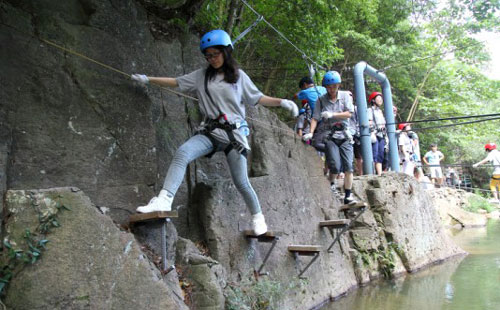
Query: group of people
{"x": 327, "y": 120}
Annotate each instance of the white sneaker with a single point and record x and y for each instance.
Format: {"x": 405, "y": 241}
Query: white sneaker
{"x": 161, "y": 203}
{"x": 493, "y": 200}
{"x": 350, "y": 200}
{"x": 259, "y": 226}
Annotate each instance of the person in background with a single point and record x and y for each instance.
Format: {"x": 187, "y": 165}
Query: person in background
{"x": 493, "y": 157}
{"x": 433, "y": 159}
{"x": 223, "y": 90}
{"x": 406, "y": 150}
{"x": 377, "y": 126}
{"x": 335, "y": 108}
{"x": 309, "y": 92}
{"x": 302, "y": 126}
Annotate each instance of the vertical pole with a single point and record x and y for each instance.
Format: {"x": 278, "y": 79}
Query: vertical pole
{"x": 359, "y": 83}
{"x": 364, "y": 128}
{"x": 391, "y": 128}
{"x": 164, "y": 243}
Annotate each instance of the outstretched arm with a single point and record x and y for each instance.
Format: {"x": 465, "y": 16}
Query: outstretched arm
{"x": 481, "y": 162}
{"x": 161, "y": 81}
{"x": 284, "y": 103}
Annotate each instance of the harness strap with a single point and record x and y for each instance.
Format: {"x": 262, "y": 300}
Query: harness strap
{"x": 226, "y": 126}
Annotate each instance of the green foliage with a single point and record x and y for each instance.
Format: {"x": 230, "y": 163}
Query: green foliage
{"x": 382, "y": 257}
{"x": 428, "y": 49}
{"x": 261, "y": 294}
{"x": 14, "y": 258}
{"x": 476, "y": 202}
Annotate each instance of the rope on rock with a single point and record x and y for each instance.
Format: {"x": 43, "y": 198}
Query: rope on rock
{"x": 286, "y": 131}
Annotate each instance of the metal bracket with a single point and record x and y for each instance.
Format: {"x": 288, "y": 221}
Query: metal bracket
{"x": 244, "y": 33}
{"x": 316, "y": 255}
{"x": 164, "y": 246}
{"x": 344, "y": 229}
{"x": 259, "y": 272}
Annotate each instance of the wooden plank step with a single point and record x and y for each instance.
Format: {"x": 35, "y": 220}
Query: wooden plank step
{"x": 306, "y": 250}
{"x": 334, "y": 223}
{"x": 359, "y": 205}
{"x": 144, "y": 217}
{"x": 269, "y": 236}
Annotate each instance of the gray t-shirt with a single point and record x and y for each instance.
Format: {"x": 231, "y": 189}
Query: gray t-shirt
{"x": 227, "y": 98}
{"x": 342, "y": 104}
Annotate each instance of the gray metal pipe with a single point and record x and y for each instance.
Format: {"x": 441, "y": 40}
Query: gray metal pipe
{"x": 364, "y": 126}
{"x": 360, "y": 69}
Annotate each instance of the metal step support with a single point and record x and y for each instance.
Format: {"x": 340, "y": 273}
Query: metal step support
{"x": 270, "y": 236}
{"x": 337, "y": 227}
{"x": 164, "y": 217}
{"x": 347, "y": 209}
{"x": 305, "y": 250}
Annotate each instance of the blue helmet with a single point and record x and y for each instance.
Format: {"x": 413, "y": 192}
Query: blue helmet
{"x": 331, "y": 77}
{"x": 214, "y": 38}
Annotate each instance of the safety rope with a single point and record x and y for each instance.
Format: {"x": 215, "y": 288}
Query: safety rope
{"x": 287, "y": 131}
{"x": 304, "y": 55}
{"x": 456, "y": 124}
{"x": 445, "y": 119}
{"x": 408, "y": 63}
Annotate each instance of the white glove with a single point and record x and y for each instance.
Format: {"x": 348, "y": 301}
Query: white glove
{"x": 307, "y": 137}
{"x": 290, "y": 106}
{"x": 475, "y": 166}
{"x": 141, "y": 78}
{"x": 326, "y": 114}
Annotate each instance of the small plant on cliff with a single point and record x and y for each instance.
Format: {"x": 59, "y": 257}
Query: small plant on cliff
{"x": 256, "y": 294}
{"x": 476, "y": 202}
{"x": 14, "y": 258}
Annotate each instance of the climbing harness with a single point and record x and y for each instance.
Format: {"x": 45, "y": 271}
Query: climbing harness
{"x": 212, "y": 124}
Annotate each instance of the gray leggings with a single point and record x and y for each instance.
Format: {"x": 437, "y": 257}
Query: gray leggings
{"x": 200, "y": 145}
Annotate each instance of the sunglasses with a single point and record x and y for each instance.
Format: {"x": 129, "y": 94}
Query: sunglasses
{"x": 209, "y": 56}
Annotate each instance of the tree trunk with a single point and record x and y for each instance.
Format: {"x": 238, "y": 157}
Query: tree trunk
{"x": 232, "y": 15}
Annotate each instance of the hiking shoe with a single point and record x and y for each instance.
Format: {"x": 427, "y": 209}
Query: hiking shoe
{"x": 259, "y": 226}
{"x": 350, "y": 200}
{"x": 160, "y": 203}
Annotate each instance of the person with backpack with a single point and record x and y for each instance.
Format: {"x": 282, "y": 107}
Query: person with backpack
{"x": 493, "y": 157}
{"x": 378, "y": 131}
{"x": 309, "y": 92}
{"x": 334, "y": 109}
{"x": 222, "y": 89}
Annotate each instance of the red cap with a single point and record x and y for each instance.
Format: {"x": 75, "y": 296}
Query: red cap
{"x": 373, "y": 95}
{"x": 490, "y": 146}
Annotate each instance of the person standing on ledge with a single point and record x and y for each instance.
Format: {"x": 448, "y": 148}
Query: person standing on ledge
{"x": 494, "y": 158}
{"x": 222, "y": 89}
{"x": 334, "y": 109}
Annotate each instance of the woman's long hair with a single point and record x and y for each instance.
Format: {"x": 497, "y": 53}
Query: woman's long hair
{"x": 229, "y": 68}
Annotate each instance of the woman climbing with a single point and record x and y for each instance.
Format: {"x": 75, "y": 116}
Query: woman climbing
{"x": 222, "y": 89}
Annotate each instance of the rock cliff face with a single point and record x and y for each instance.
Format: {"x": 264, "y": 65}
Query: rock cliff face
{"x": 70, "y": 122}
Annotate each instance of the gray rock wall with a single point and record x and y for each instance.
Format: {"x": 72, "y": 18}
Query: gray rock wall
{"x": 88, "y": 264}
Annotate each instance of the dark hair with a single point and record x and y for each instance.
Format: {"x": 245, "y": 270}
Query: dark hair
{"x": 305, "y": 80}
{"x": 230, "y": 66}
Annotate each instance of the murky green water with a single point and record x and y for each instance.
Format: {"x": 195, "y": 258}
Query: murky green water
{"x": 468, "y": 283}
